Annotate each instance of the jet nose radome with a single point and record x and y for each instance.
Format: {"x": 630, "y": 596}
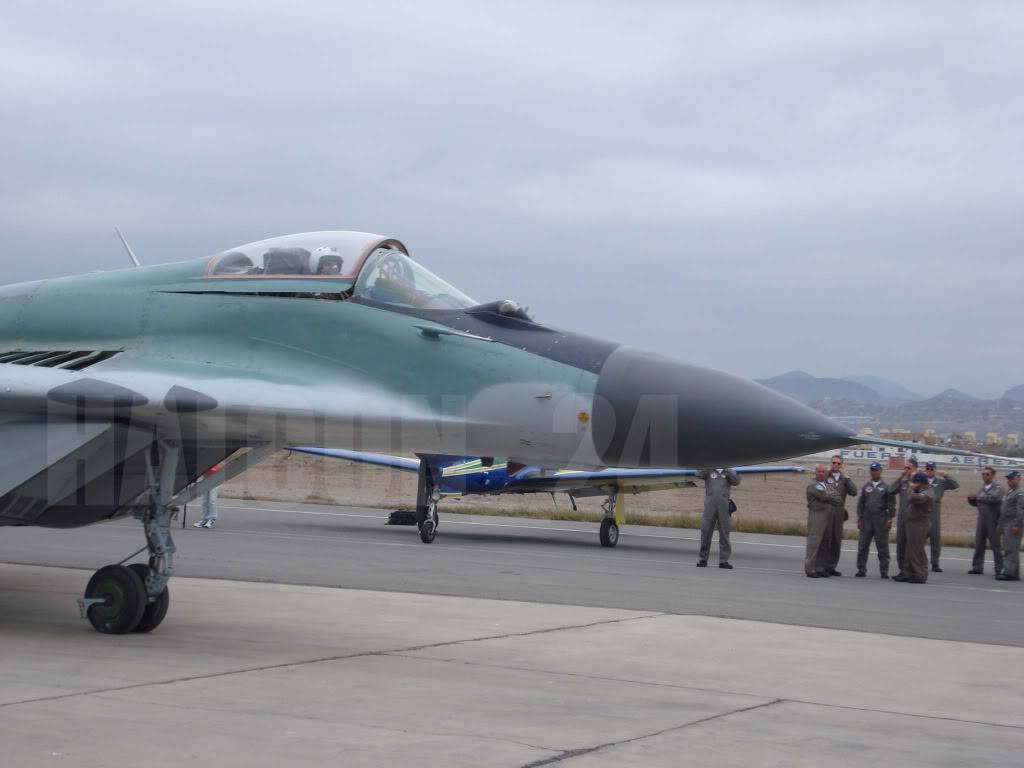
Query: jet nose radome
{"x": 653, "y": 411}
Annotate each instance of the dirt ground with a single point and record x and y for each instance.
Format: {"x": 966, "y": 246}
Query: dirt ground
{"x": 299, "y": 478}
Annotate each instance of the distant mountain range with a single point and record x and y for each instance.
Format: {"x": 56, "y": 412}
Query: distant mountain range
{"x": 885, "y": 403}
{"x": 887, "y": 388}
{"x": 806, "y": 388}
{"x": 1015, "y": 395}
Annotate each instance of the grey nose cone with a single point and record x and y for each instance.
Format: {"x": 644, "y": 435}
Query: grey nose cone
{"x": 651, "y": 411}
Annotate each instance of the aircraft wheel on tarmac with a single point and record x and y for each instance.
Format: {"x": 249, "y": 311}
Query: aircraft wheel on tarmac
{"x": 154, "y": 612}
{"x": 123, "y": 596}
{"x": 609, "y": 532}
{"x": 428, "y": 530}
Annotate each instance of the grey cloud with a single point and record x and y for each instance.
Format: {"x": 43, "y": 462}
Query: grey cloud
{"x": 755, "y": 188}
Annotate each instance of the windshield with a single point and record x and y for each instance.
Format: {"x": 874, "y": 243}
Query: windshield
{"x": 391, "y": 277}
{"x": 331, "y": 255}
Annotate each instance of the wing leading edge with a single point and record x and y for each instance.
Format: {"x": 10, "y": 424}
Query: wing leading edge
{"x": 532, "y": 479}
{"x": 361, "y": 457}
{"x": 636, "y": 480}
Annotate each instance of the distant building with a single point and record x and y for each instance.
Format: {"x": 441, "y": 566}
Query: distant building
{"x": 992, "y": 438}
{"x": 870, "y": 431}
{"x": 970, "y": 437}
{"x": 1013, "y": 440}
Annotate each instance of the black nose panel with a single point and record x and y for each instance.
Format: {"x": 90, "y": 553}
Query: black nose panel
{"x": 652, "y": 411}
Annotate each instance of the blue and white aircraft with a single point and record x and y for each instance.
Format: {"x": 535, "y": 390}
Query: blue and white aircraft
{"x": 441, "y": 476}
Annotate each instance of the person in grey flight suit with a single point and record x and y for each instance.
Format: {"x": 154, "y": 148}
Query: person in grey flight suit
{"x": 900, "y": 488}
{"x": 717, "y": 484}
{"x": 875, "y": 510}
{"x": 988, "y": 500}
{"x": 940, "y": 482}
{"x": 822, "y": 501}
{"x": 920, "y": 502}
{"x": 1011, "y": 525}
{"x": 846, "y": 488}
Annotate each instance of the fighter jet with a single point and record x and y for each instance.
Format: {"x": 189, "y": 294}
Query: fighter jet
{"x": 442, "y": 476}
{"x": 119, "y": 391}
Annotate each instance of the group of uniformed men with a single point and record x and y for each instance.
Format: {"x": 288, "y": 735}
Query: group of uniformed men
{"x": 914, "y": 500}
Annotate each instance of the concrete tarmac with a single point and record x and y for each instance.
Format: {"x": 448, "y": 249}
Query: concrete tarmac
{"x": 248, "y": 674}
{"x": 553, "y": 562}
{"x": 591, "y": 657}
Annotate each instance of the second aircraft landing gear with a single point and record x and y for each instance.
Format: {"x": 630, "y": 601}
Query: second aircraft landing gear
{"x": 426, "y": 504}
{"x": 120, "y": 599}
{"x": 609, "y": 532}
{"x": 428, "y": 527}
{"x": 614, "y": 515}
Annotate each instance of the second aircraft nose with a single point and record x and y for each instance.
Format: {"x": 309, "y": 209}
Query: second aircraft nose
{"x": 652, "y": 411}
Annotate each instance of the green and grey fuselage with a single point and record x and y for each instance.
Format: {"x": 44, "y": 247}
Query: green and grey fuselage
{"x": 95, "y": 368}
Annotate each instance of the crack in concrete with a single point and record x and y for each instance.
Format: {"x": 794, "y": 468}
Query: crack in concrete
{"x": 569, "y": 754}
{"x": 325, "y": 659}
{"x": 701, "y": 689}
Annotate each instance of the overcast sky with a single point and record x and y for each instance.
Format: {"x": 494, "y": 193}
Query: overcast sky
{"x": 837, "y": 188}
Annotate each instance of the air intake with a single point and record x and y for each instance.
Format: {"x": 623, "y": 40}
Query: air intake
{"x": 69, "y": 360}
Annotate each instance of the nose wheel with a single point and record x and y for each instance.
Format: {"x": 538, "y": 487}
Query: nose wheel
{"x": 115, "y": 600}
{"x": 134, "y": 598}
{"x": 156, "y": 608}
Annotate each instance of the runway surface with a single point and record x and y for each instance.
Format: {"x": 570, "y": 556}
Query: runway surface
{"x": 652, "y": 569}
{"x": 252, "y": 675}
{"x": 305, "y": 636}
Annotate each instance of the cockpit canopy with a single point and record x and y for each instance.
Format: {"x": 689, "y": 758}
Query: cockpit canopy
{"x": 375, "y": 268}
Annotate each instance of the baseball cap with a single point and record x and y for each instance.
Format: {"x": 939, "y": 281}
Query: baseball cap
{"x": 875, "y": 465}
{"x": 1012, "y": 474}
{"x": 930, "y": 465}
{"x": 919, "y": 477}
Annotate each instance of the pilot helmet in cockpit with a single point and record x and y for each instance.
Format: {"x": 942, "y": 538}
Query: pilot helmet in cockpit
{"x": 326, "y": 260}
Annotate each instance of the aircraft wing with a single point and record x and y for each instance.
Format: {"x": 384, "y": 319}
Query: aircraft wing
{"x": 376, "y": 459}
{"x": 634, "y": 480}
{"x": 942, "y": 449}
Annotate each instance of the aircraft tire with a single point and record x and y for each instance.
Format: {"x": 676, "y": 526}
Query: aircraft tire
{"x": 609, "y": 532}
{"x": 154, "y": 612}
{"x": 428, "y": 528}
{"x": 428, "y": 531}
{"x": 125, "y": 600}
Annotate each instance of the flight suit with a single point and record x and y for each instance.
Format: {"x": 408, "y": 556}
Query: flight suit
{"x": 822, "y": 500}
{"x": 875, "y": 507}
{"x": 717, "y": 483}
{"x": 917, "y": 525}
{"x": 900, "y": 489}
{"x": 845, "y": 487}
{"x": 939, "y": 486}
{"x": 1011, "y": 519}
{"x": 988, "y": 500}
